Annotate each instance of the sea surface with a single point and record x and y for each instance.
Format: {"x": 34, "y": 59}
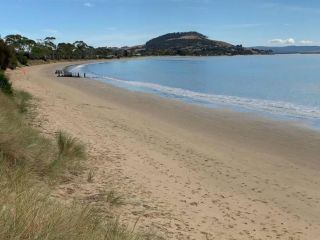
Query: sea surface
{"x": 279, "y": 86}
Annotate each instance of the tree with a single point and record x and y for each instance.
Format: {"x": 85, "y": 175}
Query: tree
{"x": 7, "y": 56}
{"x": 80, "y": 49}
{"x": 20, "y": 43}
{"x": 65, "y": 51}
{"x": 49, "y": 43}
{"x": 39, "y": 51}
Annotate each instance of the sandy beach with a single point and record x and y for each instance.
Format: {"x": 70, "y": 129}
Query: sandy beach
{"x": 185, "y": 172}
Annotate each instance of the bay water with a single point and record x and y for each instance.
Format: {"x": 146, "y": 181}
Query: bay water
{"x": 279, "y": 86}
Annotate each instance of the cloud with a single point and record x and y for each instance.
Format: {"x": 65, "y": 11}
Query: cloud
{"x": 282, "y": 41}
{"x": 306, "y": 42}
{"x": 88, "y": 4}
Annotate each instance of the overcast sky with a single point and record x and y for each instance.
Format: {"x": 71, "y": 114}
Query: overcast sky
{"x": 132, "y": 22}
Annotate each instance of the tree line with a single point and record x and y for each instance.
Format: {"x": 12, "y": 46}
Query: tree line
{"x": 23, "y": 49}
{"x": 20, "y": 49}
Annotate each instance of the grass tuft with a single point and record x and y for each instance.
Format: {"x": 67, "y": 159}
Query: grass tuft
{"x": 22, "y": 99}
{"x": 114, "y": 199}
{"x": 69, "y": 147}
{"x": 70, "y": 153}
{"x": 90, "y": 176}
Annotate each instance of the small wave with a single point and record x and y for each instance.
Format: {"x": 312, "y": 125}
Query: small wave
{"x": 274, "y": 107}
{"x": 75, "y": 68}
{"x": 283, "y": 108}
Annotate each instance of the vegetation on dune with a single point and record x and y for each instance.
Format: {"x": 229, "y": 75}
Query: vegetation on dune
{"x": 28, "y": 213}
{"x": 70, "y": 152}
{"x": 30, "y": 165}
{"x": 22, "y": 100}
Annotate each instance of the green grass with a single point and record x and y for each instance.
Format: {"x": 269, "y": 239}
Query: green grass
{"x": 29, "y": 165}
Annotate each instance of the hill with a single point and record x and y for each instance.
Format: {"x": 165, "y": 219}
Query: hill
{"x": 291, "y": 49}
{"x": 194, "y": 43}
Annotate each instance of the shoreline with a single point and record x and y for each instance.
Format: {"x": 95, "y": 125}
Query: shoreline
{"x": 194, "y": 172}
{"x": 246, "y": 118}
{"x": 286, "y": 112}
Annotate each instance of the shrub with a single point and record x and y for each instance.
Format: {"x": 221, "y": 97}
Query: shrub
{"x": 22, "y": 58}
{"x": 7, "y": 56}
{"x": 5, "y": 84}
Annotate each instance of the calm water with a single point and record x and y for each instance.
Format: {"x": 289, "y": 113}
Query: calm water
{"x": 281, "y": 86}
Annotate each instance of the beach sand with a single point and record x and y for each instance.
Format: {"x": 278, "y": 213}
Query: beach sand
{"x": 185, "y": 172}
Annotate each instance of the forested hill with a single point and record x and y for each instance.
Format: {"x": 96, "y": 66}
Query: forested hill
{"x": 23, "y": 49}
{"x": 194, "y": 43}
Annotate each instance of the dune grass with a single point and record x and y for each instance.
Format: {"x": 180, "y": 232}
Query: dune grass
{"x": 27, "y": 212}
{"x": 29, "y": 163}
{"x": 69, "y": 154}
{"x": 22, "y": 99}
{"x": 114, "y": 199}
{"x": 90, "y": 176}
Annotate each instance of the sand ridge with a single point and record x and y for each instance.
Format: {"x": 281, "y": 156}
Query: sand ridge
{"x": 186, "y": 172}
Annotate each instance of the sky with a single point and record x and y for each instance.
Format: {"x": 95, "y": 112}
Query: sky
{"x": 133, "y": 22}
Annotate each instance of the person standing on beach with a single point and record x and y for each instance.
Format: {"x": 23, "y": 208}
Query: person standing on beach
{"x": 84, "y": 75}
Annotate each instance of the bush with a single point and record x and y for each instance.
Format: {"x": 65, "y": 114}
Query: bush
{"x": 7, "y": 56}
{"x": 5, "y": 84}
{"x": 23, "y": 59}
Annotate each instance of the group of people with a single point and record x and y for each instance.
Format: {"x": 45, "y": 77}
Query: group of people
{"x": 62, "y": 73}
